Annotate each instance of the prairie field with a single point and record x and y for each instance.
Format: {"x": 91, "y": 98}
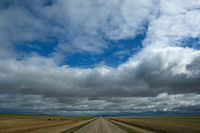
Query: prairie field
{"x": 14, "y": 123}
{"x": 18, "y": 123}
{"x": 163, "y": 124}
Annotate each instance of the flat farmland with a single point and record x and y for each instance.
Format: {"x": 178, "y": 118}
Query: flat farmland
{"x": 163, "y": 124}
{"x": 17, "y": 123}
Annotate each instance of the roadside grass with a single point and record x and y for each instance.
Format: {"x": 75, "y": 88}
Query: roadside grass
{"x": 72, "y": 130}
{"x": 128, "y": 130}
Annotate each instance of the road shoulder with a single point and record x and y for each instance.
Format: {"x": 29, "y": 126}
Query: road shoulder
{"x": 140, "y": 130}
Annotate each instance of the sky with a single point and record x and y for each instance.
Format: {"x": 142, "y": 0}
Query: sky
{"x": 86, "y": 57}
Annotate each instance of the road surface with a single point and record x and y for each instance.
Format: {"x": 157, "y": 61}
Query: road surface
{"x": 100, "y": 126}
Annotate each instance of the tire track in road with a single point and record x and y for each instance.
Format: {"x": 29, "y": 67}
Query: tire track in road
{"x": 100, "y": 126}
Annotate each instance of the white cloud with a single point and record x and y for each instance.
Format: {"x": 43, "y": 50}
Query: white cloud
{"x": 177, "y": 21}
{"x": 161, "y": 77}
{"x": 77, "y": 25}
{"x": 151, "y": 72}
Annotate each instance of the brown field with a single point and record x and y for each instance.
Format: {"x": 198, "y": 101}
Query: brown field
{"x": 164, "y": 124}
{"x": 14, "y": 123}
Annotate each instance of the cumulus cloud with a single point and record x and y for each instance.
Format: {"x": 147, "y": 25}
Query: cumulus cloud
{"x": 162, "y": 77}
{"x": 177, "y": 21}
{"x": 151, "y": 72}
{"x": 162, "y": 104}
{"x": 76, "y": 25}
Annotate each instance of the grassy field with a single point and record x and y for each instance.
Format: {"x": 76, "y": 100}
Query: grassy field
{"x": 164, "y": 124}
{"x": 72, "y": 130}
{"x": 10, "y": 123}
{"x": 128, "y": 130}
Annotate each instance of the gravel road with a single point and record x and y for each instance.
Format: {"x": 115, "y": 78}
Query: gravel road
{"x": 100, "y": 126}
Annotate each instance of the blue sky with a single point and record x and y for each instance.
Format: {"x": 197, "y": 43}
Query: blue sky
{"x": 100, "y": 57}
{"x": 191, "y": 42}
{"x": 115, "y": 54}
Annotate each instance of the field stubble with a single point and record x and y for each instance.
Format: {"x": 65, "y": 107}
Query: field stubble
{"x": 14, "y": 123}
{"x": 164, "y": 124}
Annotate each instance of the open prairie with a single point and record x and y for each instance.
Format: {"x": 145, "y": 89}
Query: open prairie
{"x": 163, "y": 124}
{"x": 18, "y": 123}
{"x": 14, "y": 123}
{"x": 101, "y": 58}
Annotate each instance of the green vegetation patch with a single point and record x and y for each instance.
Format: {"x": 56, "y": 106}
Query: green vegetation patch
{"x": 72, "y": 130}
{"x": 128, "y": 130}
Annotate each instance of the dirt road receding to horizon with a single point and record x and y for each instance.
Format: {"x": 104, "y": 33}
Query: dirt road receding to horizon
{"x": 100, "y": 126}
